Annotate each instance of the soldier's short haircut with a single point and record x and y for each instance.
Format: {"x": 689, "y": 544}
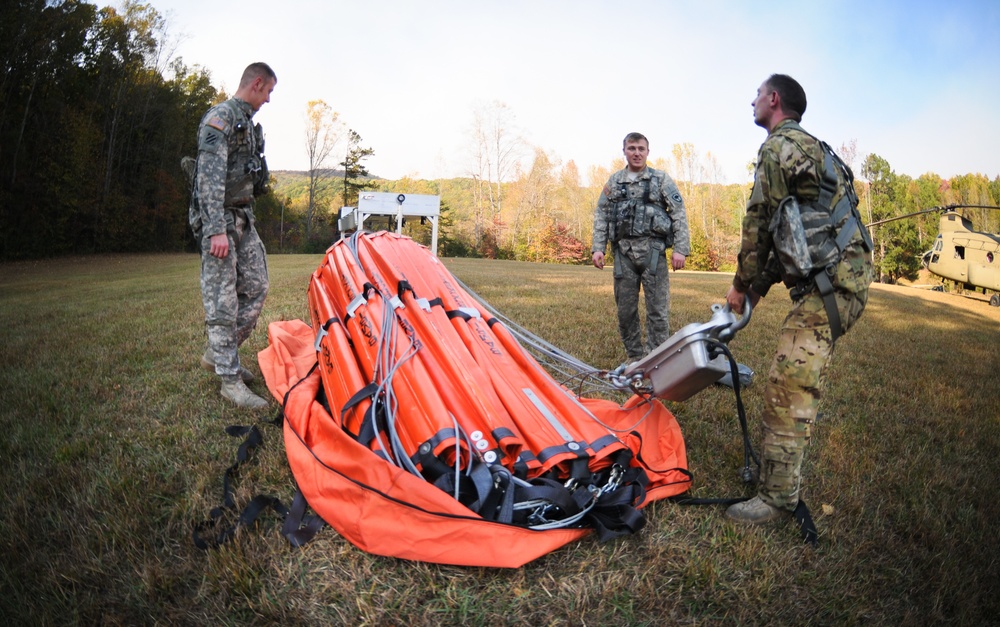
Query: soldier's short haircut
{"x": 793, "y": 97}
{"x": 635, "y": 137}
{"x": 257, "y": 70}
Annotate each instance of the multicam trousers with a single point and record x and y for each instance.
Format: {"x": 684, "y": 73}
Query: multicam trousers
{"x": 641, "y": 262}
{"x": 233, "y": 290}
{"x": 795, "y": 380}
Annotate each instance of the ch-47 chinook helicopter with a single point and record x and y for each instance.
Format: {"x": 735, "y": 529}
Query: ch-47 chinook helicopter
{"x": 969, "y": 258}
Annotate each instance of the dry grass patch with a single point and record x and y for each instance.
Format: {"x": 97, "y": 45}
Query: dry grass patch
{"x": 114, "y": 448}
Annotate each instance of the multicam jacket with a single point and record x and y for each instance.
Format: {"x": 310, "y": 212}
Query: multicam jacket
{"x": 790, "y": 163}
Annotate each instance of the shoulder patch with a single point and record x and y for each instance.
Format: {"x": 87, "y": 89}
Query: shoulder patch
{"x": 210, "y": 139}
{"x": 676, "y": 197}
{"x": 218, "y": 124}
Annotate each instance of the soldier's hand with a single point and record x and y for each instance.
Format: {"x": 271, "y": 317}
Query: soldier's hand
{"x": 219, "y": 245}
{"x": 677, "y": 261}
{"x": 735, "y": 299}
{"x": 598, "y": 259}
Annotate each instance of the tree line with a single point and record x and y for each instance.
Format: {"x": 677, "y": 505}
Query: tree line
{"x": 95, "y": 116}
{"x": 91, "y": 132}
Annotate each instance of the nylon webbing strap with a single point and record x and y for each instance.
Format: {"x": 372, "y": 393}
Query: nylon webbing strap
{"x": 366, "y": 432}
{"x": 297, "y": 534}
{"x": 825, "y": 287}
{"x": 299, "y": 528}
{"x": 828, "y": 183}
{"x": 846, "y": 233}
{"x": 806, "y": 525}
{"x": 465, "y": 313}
{"x": 847, "y": 204}
{"x": 323, "y": 332}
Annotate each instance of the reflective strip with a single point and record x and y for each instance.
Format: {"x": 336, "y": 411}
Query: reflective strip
{"x": 537, "y": 402}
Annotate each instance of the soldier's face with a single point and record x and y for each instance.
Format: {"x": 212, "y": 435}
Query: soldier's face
{"x": 762, "y": 105}
{"x": 260, "y": 92}
{"x": 636, "y": 154}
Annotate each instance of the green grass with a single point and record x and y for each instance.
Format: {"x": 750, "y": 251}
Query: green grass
{"x": 113, "y": 449}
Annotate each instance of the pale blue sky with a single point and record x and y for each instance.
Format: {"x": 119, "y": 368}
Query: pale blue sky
{"x": 915, "y": 82}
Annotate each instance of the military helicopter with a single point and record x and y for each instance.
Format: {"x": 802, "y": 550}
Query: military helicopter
{"x": 969, "y": 258}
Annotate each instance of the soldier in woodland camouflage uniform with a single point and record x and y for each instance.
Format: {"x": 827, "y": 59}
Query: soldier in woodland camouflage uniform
{"x": 793, "y": 164}
{"x": 229, "y": 171}
{"x": 642, "y": 214}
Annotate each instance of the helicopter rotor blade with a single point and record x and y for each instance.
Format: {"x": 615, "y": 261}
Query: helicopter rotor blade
{"x": 941, "y": 208}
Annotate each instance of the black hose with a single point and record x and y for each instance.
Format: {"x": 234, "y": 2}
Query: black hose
{"x": 748, "y": 452}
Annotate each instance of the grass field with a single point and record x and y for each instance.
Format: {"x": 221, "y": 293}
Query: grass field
{"x": 113, "y": 448}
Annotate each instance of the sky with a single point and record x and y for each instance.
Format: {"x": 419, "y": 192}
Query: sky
{"x": 913, "y": 81}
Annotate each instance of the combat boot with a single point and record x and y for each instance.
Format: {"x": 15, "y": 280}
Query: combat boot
{"x": 754, "y": 512}
{"x": 209, "y": 364}
{"x": 235, "y": 390}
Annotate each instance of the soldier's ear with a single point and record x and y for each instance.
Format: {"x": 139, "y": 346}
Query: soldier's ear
{"x": 775, "y": 99}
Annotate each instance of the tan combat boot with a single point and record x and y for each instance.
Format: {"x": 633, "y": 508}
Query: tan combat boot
{"x": 209, "y": 364}
{"x": 235, "y": 390}
{"x": 755, "y": 512}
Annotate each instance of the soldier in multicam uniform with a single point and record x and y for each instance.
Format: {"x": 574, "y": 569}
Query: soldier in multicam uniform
{"x": 229, "y": 171}
{"x": 826, "y": 302}
{"x": 642, "y": 214}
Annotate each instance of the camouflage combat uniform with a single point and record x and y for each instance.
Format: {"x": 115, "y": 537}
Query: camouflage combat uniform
{"x": 641, "y": 218}
{"x": 791, "y": 162}
{"x": 233, "y": 288}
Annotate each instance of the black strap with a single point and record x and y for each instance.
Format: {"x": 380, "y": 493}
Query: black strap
{"x": 548, "y": 490}
{"x": 250, "y": 513}
{"x": 616, "y": 512}
{"x": 368, "y": 428}
{"x": 825, "y": 287}
{"x": 402, "y": 287}
{"x": 465, "y": 313}
{"x": 497, "y": 502}
{"x": 800, "y": 513}
{"x": 298, "y": 528}
{"x": 806, "y": 525}
{"x": 828, "y": 182}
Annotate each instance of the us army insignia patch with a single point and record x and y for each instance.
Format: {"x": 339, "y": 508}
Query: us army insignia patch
{"x": 676, "y": 197}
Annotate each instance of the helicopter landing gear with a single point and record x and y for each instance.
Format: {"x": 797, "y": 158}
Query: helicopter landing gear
{"x": 995, "y": 300}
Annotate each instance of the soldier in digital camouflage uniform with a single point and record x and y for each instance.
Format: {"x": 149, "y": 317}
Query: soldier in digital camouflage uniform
{"x": 791, "y": 163}
{"x": 229, "y": 171}
{"x": 641, "y": 213}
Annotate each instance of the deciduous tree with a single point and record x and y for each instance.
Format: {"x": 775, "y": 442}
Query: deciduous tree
{"x": 496, "y": 151}
{"x": 323, "y": 132}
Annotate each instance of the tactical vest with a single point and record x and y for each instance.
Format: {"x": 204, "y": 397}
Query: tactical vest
{"x": 247, "y": 176}
{"x": 645, "y": 216}
{"x": 810, "y": 235}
